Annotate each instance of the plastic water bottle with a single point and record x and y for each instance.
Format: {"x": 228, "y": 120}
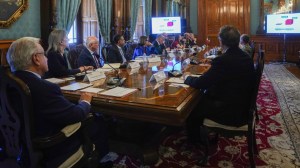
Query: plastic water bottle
{"x": 144, "y": 57}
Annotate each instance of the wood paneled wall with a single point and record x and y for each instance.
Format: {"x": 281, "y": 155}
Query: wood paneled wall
{"x": 4, "y": 45}
{"x": 213, "y": 14}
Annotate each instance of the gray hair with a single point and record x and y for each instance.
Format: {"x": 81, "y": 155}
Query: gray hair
{"x": 19, "y": 55}
{"x": 90, "y": 40}
{"x": 55, "y": 38}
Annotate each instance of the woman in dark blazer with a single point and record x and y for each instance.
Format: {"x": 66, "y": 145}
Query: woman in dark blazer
{"x": 57, "y": 59}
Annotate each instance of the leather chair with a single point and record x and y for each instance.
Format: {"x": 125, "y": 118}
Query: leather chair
{"x": 74, "y": 54}
{"x": 104, "y": 51}
{"x": 21, "y": 146}
{"x": 230, "y": 131}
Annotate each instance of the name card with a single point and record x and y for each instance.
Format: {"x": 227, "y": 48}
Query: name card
{"x": 134, "y": 65}
{"x": 159, "y": 76}
{"x": 96, "y": 75}
{"x": 154, "y": 59}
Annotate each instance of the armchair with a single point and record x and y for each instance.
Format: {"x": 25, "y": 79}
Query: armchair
{"x": 22, "y": 147}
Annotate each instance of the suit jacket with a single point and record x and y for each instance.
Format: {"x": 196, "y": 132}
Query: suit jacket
{"x": 114, "y": 55}
{"x": 140, "y": 50}
{"x": 58, "y": 66}
{"x": 158, "y": 48}
{"x": 52, "y": 111}
{"x": 87, "y": 59}
{"x": 228, "y": 86}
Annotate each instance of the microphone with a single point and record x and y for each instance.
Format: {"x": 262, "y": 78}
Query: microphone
{"x": 114, "y": 81}
{"x": 174, "y": 73}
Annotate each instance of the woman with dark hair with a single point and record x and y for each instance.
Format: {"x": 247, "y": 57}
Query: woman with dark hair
{"x": 144, "y": 47}
{"x": 178, "y": 42}
{"x": 57, "y": 60}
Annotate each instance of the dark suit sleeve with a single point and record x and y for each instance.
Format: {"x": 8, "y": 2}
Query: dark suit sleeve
{"x": 85, "y": 59}
{"x": 56, "y": 67}
{"x": 61, "y": 111}
{"x": 113, "y": 55}
{"x": 208, "y": 79}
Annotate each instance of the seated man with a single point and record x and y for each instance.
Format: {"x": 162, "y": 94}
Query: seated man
{"x": 89, "y": 55}
{"x": 245, "y": 44}
{"x": 227, "y": 86}
{"x": 52, "y": 111}
{"x": 159, "y": 45}
{"x": 116, "y": 53}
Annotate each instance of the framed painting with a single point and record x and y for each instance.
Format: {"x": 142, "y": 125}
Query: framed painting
{"x": 10, "y": 11}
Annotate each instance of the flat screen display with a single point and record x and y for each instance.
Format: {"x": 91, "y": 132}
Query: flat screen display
{"x": 283, "y": 23}
{"x": 170, "y": 25}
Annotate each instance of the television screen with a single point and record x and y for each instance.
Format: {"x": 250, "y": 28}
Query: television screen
{"x": 170, "y": 25}
{"x": 283, "y": 23}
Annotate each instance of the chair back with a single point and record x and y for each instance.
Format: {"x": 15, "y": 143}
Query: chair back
{"x": 16, "y": 119}
{"x": 104, "y": 51}
{"x": 74, "y": 54}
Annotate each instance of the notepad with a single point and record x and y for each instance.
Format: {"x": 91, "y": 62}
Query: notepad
{"x": 118, "y": 92}
{"x": 76, "y": 86}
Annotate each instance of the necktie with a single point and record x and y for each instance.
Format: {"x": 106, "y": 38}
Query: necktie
{"x": 96, "y": 60}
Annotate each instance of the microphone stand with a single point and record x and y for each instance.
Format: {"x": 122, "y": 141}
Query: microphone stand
{"x": 174, "y": 73}
{"x": 112, "y": 80}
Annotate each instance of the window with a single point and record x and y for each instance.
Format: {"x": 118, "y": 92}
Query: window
{"x": 73, "y": 33}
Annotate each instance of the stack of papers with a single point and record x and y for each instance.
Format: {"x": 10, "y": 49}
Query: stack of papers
{"x": 118, "y": 92}
{"x": 76, "y": 86}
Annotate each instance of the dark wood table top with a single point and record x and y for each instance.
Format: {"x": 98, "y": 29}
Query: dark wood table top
{"x": 152, "y": 102}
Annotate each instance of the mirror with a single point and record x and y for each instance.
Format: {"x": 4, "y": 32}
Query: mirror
{"x": 10, "y": 11}
{"x": 274, "y": 7}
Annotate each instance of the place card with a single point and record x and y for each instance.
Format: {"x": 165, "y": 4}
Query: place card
{"x": 96, "y": 75}
{"x": 159, "y": 76}
{"x": 55, "y": 80}
{"x": 154, "y": 59}
{"x": 134, "y": 65}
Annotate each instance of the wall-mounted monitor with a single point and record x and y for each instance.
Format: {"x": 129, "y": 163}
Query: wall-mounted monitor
{"x": 170, "y": 25}
{"x": 283, "y": 23}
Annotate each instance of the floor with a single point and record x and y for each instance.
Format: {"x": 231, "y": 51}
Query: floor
{"x": 293, "y": 69}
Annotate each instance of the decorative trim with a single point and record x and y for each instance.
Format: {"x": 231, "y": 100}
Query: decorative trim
{"x": 22, "y": 6}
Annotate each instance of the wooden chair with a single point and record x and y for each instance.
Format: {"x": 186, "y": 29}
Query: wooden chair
{"x": 22, "y": 147}
{"x": 230, "y": 131}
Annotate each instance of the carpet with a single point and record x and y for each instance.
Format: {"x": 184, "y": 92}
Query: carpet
{"x": 277, "y": 133}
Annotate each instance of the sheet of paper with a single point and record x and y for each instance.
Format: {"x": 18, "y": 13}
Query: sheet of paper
{"x": 175, "y": 80}
{"x": 75, "y": 86}
{"x": 92, "y": 90}
{"x": 103, "y": 70}
{"x": 55, "y": 80}
{"x": 68, "y": 78}
{"x": 118, "y": 92}
{"x": 114, "y": 65}
{"x": 179, "y": 85}
{"x": 154, "y": 59}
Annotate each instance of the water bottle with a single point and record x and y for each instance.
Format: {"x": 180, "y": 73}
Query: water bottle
{"x": 144, "y": 57}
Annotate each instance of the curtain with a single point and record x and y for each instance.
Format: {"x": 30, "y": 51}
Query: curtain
{"x": 104, "y": 8}
{"x": 67, "y": 11}
{"x": 175, "y": 9}
{"x": 147, "y": 16}
{"x": 134, "y": 9}
{"x": 169, "y": 8}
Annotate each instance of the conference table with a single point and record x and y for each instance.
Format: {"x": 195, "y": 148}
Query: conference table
{"x": 156, "y": 103}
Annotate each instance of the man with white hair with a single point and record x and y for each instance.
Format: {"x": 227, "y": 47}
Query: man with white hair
{"x": 89, "y": 55}
{"x": 51, "y": 110}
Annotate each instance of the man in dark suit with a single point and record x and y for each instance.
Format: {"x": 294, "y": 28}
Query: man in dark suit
{"x": 158, "y": 45}
{"x": 227, "y": 86}
{"x": 116, "y": 53}
{"x": 52, "y": 111}
{"x": 89, "y": 55}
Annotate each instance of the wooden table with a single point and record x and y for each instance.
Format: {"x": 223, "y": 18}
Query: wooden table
{"x": 152, "y": 107}
{"x": 152, "y": 102}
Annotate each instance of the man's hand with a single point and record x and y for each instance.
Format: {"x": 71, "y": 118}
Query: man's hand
{"x": 86, "y": 97}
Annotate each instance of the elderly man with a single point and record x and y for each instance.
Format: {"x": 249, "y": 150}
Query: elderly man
{"x": 245, "y": 44}
{"x": 159, "y": 45}
{"x": 89, "y": 55}
{"x": 52, "y": 111}
{"x": 227, "y": 86}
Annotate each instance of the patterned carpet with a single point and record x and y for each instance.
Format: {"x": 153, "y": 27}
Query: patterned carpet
{"x": 278, "y": 135}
